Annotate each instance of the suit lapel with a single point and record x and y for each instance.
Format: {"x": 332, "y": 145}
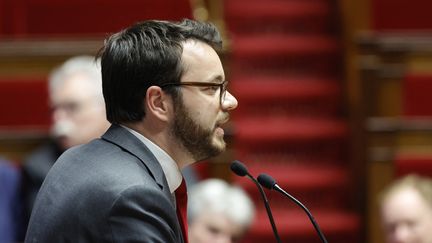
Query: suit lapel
{"x": 121, "y": 137}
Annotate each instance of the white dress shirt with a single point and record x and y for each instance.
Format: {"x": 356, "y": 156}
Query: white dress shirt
{"x": 169, "y": 166}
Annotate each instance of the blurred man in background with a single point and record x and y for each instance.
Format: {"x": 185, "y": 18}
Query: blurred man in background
{"x": 78, "y": 115}
{"x": 218, "y": 212}
{"x": 406, "y": 210}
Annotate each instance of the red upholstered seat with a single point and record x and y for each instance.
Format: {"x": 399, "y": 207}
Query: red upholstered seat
{"x": 256, "y": 88}
{"x": 24, "y": 104}
{"x": 410, "y": 163}
{"x": 284, "y": 68}
{"x": 293, "y": 129}
{"x": 83, "y": 17}
{"x": 282, "y": 45}
{"x": 285, "y": 16}
{"x": 294, "y": 224}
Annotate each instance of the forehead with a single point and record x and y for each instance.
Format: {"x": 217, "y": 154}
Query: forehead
{"x": 76, "y": 86}
{"x": 396, "y": 204}
{"x": 201, "y": 62}
{"x": 220, "y": 222}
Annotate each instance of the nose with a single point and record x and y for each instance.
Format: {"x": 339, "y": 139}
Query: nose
{"x": 230, "y": 102}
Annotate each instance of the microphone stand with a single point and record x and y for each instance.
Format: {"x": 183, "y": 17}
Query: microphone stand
{"x": 314, "y": 223}
{"x": 241, "y": 170}
{"x": 267, "y": 206}
{"x": 268, "y": 182}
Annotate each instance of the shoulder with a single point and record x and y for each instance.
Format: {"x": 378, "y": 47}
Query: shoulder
{"x": 100, "y": 171}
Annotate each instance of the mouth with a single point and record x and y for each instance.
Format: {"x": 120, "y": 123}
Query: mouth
{"x": 219, "y": 127}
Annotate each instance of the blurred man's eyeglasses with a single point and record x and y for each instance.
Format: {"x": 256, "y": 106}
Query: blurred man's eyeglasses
{"x": 222, "y": 87}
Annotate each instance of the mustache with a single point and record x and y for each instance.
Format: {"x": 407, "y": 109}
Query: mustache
{"x": 62, "y": 128}
{"x": 225, "y": 118}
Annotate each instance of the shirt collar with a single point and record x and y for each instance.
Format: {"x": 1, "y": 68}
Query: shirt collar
{"x": 169, "y": 166}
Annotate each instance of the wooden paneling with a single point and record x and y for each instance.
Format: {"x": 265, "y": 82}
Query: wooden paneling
{"x": 396, "y": 88}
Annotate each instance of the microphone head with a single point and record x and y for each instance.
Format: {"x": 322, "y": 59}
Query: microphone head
{"x": 266, "y": 181}
{"x": 239, "y": 168}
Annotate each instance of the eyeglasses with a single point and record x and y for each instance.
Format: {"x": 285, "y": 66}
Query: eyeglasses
{"x": 222, "y": 87}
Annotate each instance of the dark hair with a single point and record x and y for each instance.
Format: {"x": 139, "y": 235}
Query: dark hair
{"x": 146, "y": 54}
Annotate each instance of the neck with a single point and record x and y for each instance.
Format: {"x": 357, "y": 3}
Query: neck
{"x": 162, "y": 138}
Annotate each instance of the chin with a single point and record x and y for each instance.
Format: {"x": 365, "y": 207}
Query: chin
{"x": 215, "y": 149}
{"x": 219, "y": 144}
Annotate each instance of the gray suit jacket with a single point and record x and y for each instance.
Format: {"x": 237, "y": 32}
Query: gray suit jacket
{"x": 110, "y": 190}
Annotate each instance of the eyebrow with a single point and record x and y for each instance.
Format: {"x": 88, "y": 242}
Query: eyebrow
{"x": 217, "y": 78}
{"x": 212, "y": 79}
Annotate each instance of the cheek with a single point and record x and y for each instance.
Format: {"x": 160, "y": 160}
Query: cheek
{"x": 203, "y": 111}
{"x": 423, "y": 228}
{"x": 205, "y": 118}
{"x": 97, "y": 116}
{"x": 88, "y": 115}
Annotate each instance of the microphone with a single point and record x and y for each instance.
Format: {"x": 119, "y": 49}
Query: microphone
{"x": 270, "y": 183}
{"x": 241, "y": 170}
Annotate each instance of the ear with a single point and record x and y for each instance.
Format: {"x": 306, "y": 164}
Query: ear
{"x": 157, "y": 103}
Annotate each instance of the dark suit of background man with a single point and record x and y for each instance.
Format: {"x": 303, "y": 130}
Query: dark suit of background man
{"x": 165, "y": 95}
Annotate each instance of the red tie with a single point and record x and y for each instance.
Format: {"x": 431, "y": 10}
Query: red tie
{"x": 181, "y": 203}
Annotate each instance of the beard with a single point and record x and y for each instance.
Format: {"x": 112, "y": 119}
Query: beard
{"x": 196, "y": 139}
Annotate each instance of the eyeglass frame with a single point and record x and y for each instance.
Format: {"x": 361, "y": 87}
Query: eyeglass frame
{"x": 222, "y": 87}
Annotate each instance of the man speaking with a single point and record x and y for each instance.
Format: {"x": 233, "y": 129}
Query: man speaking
{"x": 166, "y": 96}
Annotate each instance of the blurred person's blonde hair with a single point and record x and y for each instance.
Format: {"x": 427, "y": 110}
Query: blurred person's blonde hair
{"x": 217, "y": 196}
{"x": 422, "y": 184}
{"x": 89, "y": 66}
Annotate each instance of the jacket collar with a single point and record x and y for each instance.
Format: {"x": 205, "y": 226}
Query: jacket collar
{"x": 121, "y": 137}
